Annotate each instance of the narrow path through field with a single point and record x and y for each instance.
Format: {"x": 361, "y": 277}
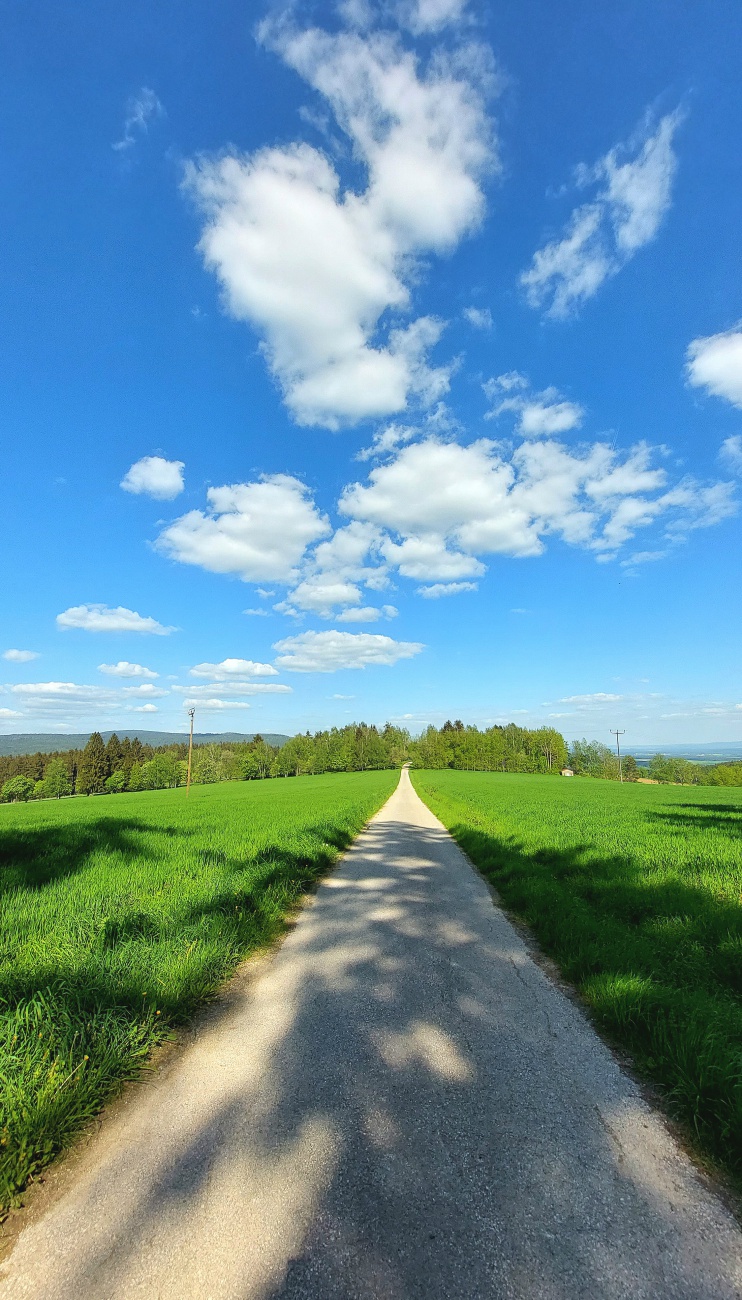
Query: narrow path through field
{"x": 399, "y": 1105}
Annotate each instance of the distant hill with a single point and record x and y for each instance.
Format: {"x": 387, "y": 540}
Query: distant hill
{"x": 722, "y": 751}
{"x": 44, "y": 743}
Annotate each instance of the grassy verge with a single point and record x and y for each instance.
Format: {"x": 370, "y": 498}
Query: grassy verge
{"x": 636, "y": 892}
{"x": 120, "y": 914}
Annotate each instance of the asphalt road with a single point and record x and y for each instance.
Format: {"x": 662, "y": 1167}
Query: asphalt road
{"x": 399, "y": 1104}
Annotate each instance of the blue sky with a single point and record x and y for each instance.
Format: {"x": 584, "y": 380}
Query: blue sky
{"x": 372, "y": 361}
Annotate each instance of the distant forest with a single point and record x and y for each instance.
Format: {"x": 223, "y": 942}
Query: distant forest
{"x": 118, "y": 765}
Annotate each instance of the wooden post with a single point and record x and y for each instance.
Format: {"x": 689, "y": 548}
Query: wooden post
{"x": 618, "y": 751}
{"x": 190, "y": 752}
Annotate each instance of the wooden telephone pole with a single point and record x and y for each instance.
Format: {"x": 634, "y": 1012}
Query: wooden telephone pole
{"x": 190, "y": 752}
{"x": 618, "y": 751}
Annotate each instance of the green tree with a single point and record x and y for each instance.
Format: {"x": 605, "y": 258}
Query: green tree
{"x": 136, "y": 778}
{"x": 93, "y": 769}
{"x": 56, "y": 779}
{"x": 116, "y": 782}
{"x": 18, "y": 789}
{"x": 114, "y": 753}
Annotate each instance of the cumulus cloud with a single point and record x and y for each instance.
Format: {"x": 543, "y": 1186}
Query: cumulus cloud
{"x": 439, "y": 506}
{"x": 20, "y": 656}
{"x": 155, "y": 477}
{"x": 99, "y": 618}
{"x": 145, "y": 708}
{"x": 328, "y": 652}
{"x": 232, "y": 669}
{"x": 233, "y": 689}
{"x": 314, "y": 266}
{"x": 258, "y": 531}
{"x": 64, "y": 700}
{"x": 142, "y": 109}
{"x": 145, "y": 690}
{"x": 730, "y": 453}
{"x": 540, "y": 414}
{"x": 7, "y": 714}
{"x": 601, "y": 236}
{"x": 479, "y": 317}
{"x": 367, "y": 614}
{"x": 430, "y": 16}
{"x": 204, "y": 704}
{"x": 439, "y": 589}
{"x": 715, "y": 363}
{"x": 125, "y": 669}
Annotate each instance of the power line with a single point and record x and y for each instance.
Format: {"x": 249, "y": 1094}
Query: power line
{"x": 191, "y": 712}
{"x": 618, "y": 751}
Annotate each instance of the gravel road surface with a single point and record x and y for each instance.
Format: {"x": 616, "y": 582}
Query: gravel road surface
{"x": 397, "y": 1104}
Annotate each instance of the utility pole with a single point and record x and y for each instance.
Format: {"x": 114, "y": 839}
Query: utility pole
{"x": 190, "y": 752}
{"x": 618, "y": 751}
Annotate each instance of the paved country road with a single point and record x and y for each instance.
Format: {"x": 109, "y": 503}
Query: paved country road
{"x": 399, "y": 1104}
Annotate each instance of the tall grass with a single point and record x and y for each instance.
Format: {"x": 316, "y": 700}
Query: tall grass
{"x": 636, "y": 892}
{"x": 120, "y": 914}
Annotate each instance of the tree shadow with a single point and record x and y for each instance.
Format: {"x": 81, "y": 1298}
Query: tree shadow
{"x": 402, "y": 1106}
{"x": 32, "y": 858}
{"x": 701, "y": 816}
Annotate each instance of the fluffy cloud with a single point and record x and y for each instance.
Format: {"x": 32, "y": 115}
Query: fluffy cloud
{"x": 333, "y": 573}
{"x": 145, "y": 708}
{"x": 440, "y": 506}
{"x": 328, "y": 652}
{"x": 20, "y": 656}
{"x": 730, "y": 453}
{"x": 479, "y": 317}
{"x": 145, "y": 690}
{"x": 539, "y": 414}
{"x": 155, "y": 477}
{"x": 258, "y": 531}
{"x": 430, "y": 16}
{"x": 125, "y": 669}
{"x": 439, "y": 589}
{"x": 64, "y": 700}
{"x": 7, "y": 714}
{"x": 603, "y": 235}
{"x": 205, "y": 704}
{"x": 715, "y": 363}
{"x": 142, "y": 109}
{"x": 99, "y": 618}
{"x": 233, "y": 669}
{"x": 598, "y": 697}
{"x": 366, "y": 614}
{"x": 234, "y": 689}
{"x": 313, "y": 266}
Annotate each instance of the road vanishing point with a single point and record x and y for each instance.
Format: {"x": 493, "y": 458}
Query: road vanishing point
{"x": 395, "y": 1103}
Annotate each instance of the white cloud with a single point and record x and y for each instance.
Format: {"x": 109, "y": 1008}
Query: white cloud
{"x": 715, "y": 363}
{"x": 141, "y": 109}
{"x": 257, "y": 613}
{"x": 643, "y": 557}
{"x": 155, "y": 477}
{"x": 438, "y": 506}
{"x": 314, "y": 267}
{"x": 731, "y": 453}
{"x": 367, "y": 614}
{"x": 10, "y": 713}
{"x": 328, "y": 652}
{"x": 125, "y": 669}
{"x": 234, "y": 689}
{"x": 603, "y": 235}
{"x": 258, "y": 531}
{"x": 99, "y": 618}
{"x": 539, "y": 414}
{"x": 206, "y": 705}
{"x": 598, "y": 697}
{"x": 233, "y": 669}
{"x": 439, "y": 589}
{"x": 430, "y": 16}
{"x": 479, "y": 317}
{"x": 333, "y": 573}
{"x": 145, "y": 690}
{"x": 64, "y": 700}
{"x": 20, "y": 656}
{"x": 145, "y": 708}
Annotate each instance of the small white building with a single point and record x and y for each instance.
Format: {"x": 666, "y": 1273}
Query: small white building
{"x": 567, "y": 771}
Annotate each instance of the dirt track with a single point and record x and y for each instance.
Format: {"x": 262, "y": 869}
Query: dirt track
{"x": 399, "y": 1105}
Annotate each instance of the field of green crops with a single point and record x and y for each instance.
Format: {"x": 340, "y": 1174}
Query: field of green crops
{"x": 119, "y": 914}
{"x": 636, "y": 892}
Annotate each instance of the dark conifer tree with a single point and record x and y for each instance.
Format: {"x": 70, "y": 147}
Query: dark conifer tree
{"x": 93, "y": 769}
{"x": 114, "y": 753}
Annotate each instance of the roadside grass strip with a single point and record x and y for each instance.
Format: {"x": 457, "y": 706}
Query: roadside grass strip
{"x": 120, "y": 914}
{"x": 636, "y": 893}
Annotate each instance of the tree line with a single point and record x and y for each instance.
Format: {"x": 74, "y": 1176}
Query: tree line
{"x": 122, "y": 765}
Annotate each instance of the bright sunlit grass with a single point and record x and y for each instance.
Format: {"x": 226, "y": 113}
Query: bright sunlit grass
{"x": 120, "y": 914}
{"x": 636, "y": 891}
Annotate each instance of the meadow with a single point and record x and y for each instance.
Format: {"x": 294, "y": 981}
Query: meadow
{"x": 636, "y": 893}
{"x": 120, "y": 914}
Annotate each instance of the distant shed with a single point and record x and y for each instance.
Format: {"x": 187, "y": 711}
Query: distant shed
{"x": 567, "y": 771}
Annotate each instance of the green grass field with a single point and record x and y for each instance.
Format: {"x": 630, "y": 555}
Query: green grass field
{"x": 636, "y": 892}
{"x": 119, "y": 914}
